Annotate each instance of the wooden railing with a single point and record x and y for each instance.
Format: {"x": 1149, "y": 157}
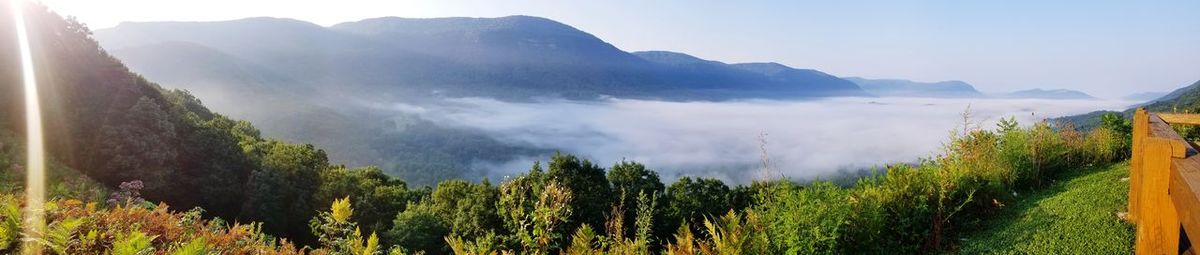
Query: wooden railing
{"x": 1164, "y": 185}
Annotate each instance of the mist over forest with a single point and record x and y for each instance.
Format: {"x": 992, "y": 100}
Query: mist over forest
{"x": 803, "y": 139}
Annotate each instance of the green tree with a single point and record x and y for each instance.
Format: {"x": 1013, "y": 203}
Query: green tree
{"x": 280, "y": 194}
{"x": 629, "y": 179}
{"x": 694, "y": 199}
{"x": 632, "y": 178}
{"x": 420, "y": 228}
{"x": 469, "y": 209}
{"x": 1124, "y": 129}
{"x": 588, "y": 185}
{"x": 534, "y": 210}
{"x": 377, "y": 197}
{"x": 141, "y": 141}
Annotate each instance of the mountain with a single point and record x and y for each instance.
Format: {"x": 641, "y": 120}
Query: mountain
{"x": 809, "y": 78}
{"x": 1144, "y": 96}
{"x": 907, "y": 88}
{"x": 1049, "y": 94}
{"x": 329, "y": 86}
{"x": 516, "y": 57}
{"x": 689, "y": 69}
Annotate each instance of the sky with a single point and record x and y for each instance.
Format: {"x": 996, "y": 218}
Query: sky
{"x": 1109, "y": 49}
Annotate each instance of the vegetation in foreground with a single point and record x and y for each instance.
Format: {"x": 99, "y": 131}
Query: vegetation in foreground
{"x": 1074, "y": 216}
{"x": 564, "y": 208}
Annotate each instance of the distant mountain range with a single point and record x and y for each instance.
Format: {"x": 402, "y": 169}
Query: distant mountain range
{"x": 1144, "y": 96}
{"x": 511, "y": 58}
{"x": 907, "y": 88}
{"x": 1049, "y": 94}
{"x": 331, "y": 86}
{"x": 952, "y": 89}
{"x": 515, "y": 57}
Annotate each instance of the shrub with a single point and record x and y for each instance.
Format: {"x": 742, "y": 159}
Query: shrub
{"x": 806, "y": 220}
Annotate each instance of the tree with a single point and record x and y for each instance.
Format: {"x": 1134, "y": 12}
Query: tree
{"x": 629, "y": 180}
{"x": 590, "y": 188}
{"x": 281, "y": 192}
{"x": 142, "y": 143}
{"x": 533, "y": 209}
{"x": 420, "y": 228}
{"x": 1124, "y": 129}
{"x": 377, "y": 196}
{"x": 692, "y": 200}
{"x": 214, "y": 168}
{"x": 469, "y": 209}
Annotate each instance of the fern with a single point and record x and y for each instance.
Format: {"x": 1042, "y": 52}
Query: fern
{"x": 59, "y": 235}
{"x": 197, "y": 246}
{"x": 10, "y": 221}
{"x": 372, "y": 246}
{"x": 135, "y": 243}
{"x": 581, "y": 241}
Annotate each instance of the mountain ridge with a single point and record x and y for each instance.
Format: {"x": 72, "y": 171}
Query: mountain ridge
{"x": 908, "y": 88}
{"x": 1039, "y": 93}
{"x": 510, "y": 57}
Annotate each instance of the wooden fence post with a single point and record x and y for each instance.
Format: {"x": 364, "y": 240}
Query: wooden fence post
{"x": 1141, "y": 123}
{"x": 1158, "y": 222}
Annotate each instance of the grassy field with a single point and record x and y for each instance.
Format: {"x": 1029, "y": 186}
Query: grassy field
{"x": 1077, "y": 215}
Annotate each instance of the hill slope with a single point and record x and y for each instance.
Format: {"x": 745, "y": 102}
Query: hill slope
{"x": 1185, "y": 99}
{"x": 114, "y": 126}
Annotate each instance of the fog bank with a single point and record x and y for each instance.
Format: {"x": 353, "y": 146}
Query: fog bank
{"x": 803, "y": 139}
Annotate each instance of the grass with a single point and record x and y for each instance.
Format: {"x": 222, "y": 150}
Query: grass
{"x": 1076, "y": 215}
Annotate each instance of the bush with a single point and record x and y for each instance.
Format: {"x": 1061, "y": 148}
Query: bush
{"x": 807, "y": 220}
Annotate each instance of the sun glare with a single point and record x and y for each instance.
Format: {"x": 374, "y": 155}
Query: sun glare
{"x": 35, "y": 165}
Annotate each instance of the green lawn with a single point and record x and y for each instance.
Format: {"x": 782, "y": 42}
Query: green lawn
{"x": 1077, "y": 215}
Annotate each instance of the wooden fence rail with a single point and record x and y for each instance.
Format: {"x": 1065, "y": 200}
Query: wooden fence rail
{"x": 1164, "y": 185}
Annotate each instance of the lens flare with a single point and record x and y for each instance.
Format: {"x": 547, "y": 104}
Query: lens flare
{"x": 35, "y": 170}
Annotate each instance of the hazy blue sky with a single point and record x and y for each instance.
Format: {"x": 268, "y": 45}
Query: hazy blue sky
{"x": 1107, "y": 48}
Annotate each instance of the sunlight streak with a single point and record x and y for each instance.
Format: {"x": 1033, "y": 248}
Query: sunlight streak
{"x": 35, "y": 177}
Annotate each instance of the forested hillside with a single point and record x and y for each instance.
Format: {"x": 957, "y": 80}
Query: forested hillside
{"x": 114, "y": 127}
